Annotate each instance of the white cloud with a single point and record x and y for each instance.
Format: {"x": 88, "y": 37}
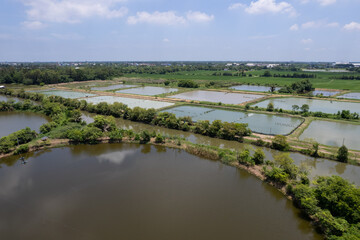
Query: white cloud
{"x": 353, "y": 26}
{"x": 72, "y": 11}
{"x": 33, "y": 25}
{"x": 326, "y": 2}
{"x": 294, "y": 27}
{"x": 236, "y": 6}
{"x": 199, "y": 17}
{"x": 307, "y": 41}
{"x": 166, "y": 40}
{"x": 160, "y": 18}
{"x": 318, "y": 24}
{"x": 169, "y": 18}
{"x": 321, "y": 2}
{"x": 270, "y": 6}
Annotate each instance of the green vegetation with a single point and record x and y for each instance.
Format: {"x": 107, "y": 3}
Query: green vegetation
{"x": 343, "y": 154}
{"x": 279, "y": 143}
{"x": 8, "y": 143}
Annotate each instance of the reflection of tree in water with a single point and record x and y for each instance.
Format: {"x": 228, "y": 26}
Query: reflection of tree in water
{"x": 146, "y": 148}
{"x": 340, "y": 168}
{"x": 11, "y": 160}
{"x": 160, "y": 149}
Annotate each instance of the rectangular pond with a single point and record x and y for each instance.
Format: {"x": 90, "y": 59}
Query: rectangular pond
{"x": 261, "y": 123}
{"x": 354, "y": 95}
{"x": 212, "y": 96}
{"x": 130, "y": 102}
{"x": 324, "y": 93}
{"x": 112, "y": 87}
{"x": 333, "y": 133}
{"x": 326, "y": 106}
{"x": 147, "y": 90}
{"x": 253, "y": 88}
{"x": 66, "y": 94}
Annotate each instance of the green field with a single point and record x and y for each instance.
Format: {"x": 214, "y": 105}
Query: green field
{"x": 323, "y": 79}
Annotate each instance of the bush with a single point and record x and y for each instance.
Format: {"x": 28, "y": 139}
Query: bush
{"x": 187, "y": 84}
{"x": 22, "y": 149}
{"x": 279, "y": 143}
{"x": 115, "y": 135}
{"x": 258, "y": 156}
{"x": 159, "y": 139}
{"x": 342, "y": 155}
{"x": 144, "y": 137}
{"x": 277, "y": 175}
{"x": 245, "y": 158}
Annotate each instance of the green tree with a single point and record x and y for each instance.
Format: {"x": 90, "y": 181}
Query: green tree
{"x": 279, "y": 143}
{"x": 258, "y": 156}
{"x": 343, "y": 154}
{"x": 305, "y": 108}
{"x": 270, "y": 107}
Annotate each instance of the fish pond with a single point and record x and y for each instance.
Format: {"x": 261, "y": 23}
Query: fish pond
{"x": 354, "y": 95}
{"x": 130, "y": 102}
{"x": 253, "y": 88}
{"x": 112, "y": 87}
{"x": 315, "y": 105}
{"x": 212, "y": 96}
{"x": 128, "y": 191}
{"x": 324, "y": 93}
{"x": 147, "y": 90}
{"x": 260, "y": 123}
{"x": 14, "y": 121}
{"x": 66, "y": 94}
{"x": 333, "y": 133}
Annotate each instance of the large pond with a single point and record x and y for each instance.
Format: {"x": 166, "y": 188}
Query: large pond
{"x": 14, "y": 121}
{"x": 212, "y": 96}
{"x": 254, "y": 88}
{"x": 66, "y": 94}
{"x": 122, "y": 191}
{"x": 130, "y": 102}
{"x": 151, "y": 91}
{"x": 354, "y": 95}
{"x": 324, "y": 93}
{"x": 261, "y": 123}
{"x": 316, "y": 167}
{"x": 333, "y": 133}
{"x": 112, "y": 87}
{"x": 315, "y": 105}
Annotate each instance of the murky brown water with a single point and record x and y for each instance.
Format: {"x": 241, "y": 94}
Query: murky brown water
{"x": 13, "y": 121}
{"x": 123, "y": 191}
{"x": 316, "y": 166}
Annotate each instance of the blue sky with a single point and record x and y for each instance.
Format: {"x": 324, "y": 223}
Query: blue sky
{"x": 159, "y": 30}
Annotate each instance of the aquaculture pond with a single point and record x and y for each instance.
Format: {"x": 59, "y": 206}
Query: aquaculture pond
{"x": 212, "y": 96}
{"x": 14, "y": 121}
{"x": 4, "y": 98}
{"x": 123, "y": 191}
{"x": 354, "y": 95}
{"x": 130, "y": 102}
{"x": 147, "y": 90}
{"x": 324, "y": 93}
{"x": 66, "y": 94}
{"x": 316, "y": 166}
{"x": 112, "y": 87}
{"x": 334, "y": 133}
{"x": 254, "y": 88}
{"x": 315, "y": 105}
{"x": 260, "y": 123}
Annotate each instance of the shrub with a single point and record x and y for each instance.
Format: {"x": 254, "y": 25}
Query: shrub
{"x": 144, "y": 137}
{"x": 258, "y": 156}
{"x": 159, "y": 138}
{"x": 279, "y": 143}
{"x": 342, "y": 155}
{"x": 22, "y": 149}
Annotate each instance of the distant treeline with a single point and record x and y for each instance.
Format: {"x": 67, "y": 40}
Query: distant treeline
{"x": 294, "y": 75}
{"x": 348, "y": 77}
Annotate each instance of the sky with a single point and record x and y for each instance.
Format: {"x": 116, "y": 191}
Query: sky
{"x": 186, "y": 30}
